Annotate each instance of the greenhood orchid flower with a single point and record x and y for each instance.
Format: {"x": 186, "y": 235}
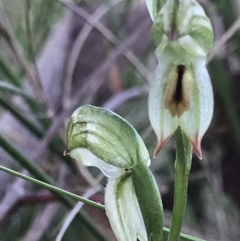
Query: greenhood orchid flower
{"x": 98, "y": 137}
{"x": 181, "y": 93}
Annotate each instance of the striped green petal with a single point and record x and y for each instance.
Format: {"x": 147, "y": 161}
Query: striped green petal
{"x": 108, "y": 138}
{"x": 123, "y": 210}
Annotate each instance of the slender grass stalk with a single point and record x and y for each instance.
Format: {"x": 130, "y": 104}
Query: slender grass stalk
{"x": 56, "y": 145}
{"x": 16, "y": 90}
{"x": 19, "y": 116}
{"x": 182, "y": 169}
{"x": 24, "y": 161}
{"x": 52, "y": 188}
{"x": 8, "y": 73}
{"x": 41, "y": 175}
{"x": 33, "y": 105}
{"x": 79, "y": 198}
{"x": 230, "y": 13}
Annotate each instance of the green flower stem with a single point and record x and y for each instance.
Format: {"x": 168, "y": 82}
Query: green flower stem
{"x": 182, "y": 168}
{"x": 40, "y": 174}
{"x": 79, "y": 198}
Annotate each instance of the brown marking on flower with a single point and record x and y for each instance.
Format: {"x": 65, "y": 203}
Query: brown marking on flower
{"x": 177, "y": 99}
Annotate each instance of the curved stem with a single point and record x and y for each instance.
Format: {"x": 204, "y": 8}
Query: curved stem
{"x": 182, "y": 169}
{"x": 79, "y": 198}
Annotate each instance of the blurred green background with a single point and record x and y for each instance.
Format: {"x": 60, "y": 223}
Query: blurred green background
{"x": 57, "y": 55}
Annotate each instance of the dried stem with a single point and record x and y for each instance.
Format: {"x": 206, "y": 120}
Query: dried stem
{"x": 75, "y": 52}
{"x": 110, "y": 36}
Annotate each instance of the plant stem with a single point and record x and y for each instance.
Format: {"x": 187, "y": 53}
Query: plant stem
{"x": 184, "y": 236}
{"x": 52, "y": 188}
{"x": 40, "y": 174}
{"x": 182, "y": 169}
{"x": 79, "y": 198}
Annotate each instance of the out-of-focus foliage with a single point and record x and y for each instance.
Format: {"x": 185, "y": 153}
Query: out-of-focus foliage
{"x": 56, "y": 34}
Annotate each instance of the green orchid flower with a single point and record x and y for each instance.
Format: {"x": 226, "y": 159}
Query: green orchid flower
{"x": 100, "y": 138}
{"x": 181, "y": 93}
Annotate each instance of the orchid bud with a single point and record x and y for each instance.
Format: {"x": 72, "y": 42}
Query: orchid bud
{"x": 98, "y": 132}
{"x": 98, "y": 137}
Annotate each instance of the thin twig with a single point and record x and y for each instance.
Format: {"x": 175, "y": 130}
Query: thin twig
{"x": 15, "y": 192}
{"x": 74, "y": 54}
{"x": 41, "y": 223}
{"x": 223, "y": 40}
{"x": 75, "y": 210}
{"x": 144, "y": 72}
{"x": 118, "y": 99}
{"x": 91, "y": 84}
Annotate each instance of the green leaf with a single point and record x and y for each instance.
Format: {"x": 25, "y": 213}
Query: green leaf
{"x": 149, "y": 200}
{"x": 8, "y": 73}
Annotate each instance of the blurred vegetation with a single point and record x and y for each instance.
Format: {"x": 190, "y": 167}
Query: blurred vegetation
{"x": 36, "y": 93}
